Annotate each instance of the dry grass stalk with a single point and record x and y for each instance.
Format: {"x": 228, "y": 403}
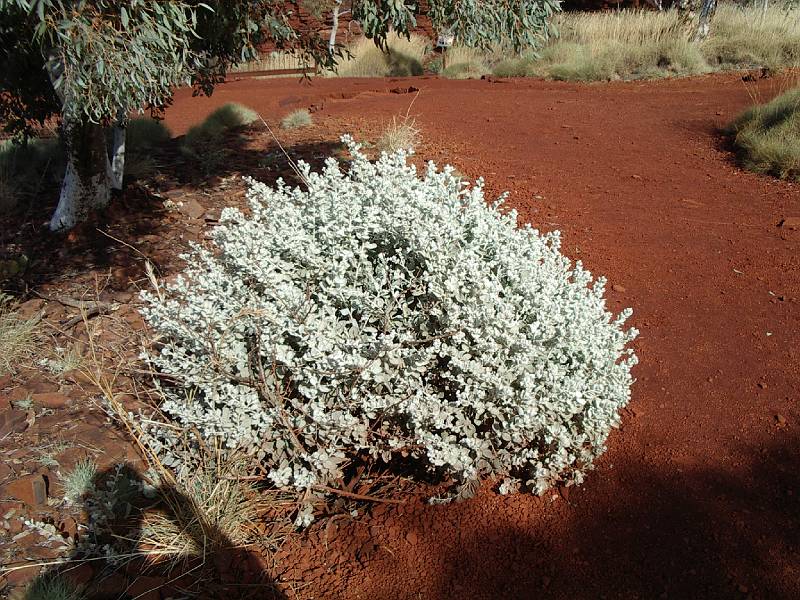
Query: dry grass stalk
{"x": 19, "y": 337}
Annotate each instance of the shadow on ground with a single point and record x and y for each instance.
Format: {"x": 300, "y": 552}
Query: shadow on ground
{"x": 733, "y": 532}
{"x": 216, "y": 568}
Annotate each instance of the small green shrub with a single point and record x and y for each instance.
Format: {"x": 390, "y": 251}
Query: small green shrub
{"x": 203, "y": 143}
{"x": 80, "y": 480}
{"x": 465, "y": 63}
{"x": 145, "y": 134}
{"x": 767, "y": 136}
{"x": 53, "y": 587}
{"x": 143, "y": 137}
{"x": 297, "y": 119}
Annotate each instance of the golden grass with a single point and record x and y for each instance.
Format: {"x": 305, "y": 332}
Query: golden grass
{"x": 644, "y": 44}
{"x": 403, "y": 58}
{"x": 211, "y": 511}
{"x": 401, "y": 134}
{"x": 466, "y": 63}
{"x": 18, "y": 337}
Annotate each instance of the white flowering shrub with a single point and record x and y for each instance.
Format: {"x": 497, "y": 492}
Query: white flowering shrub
{"x": 377, "y": 311}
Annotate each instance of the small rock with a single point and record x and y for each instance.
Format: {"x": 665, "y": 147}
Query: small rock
{"x": 411, "y": 537}
{"x": 792, "y": 223}
{"x": 780, "y": 420}
{"x": 31, "y": 489}
{"x": 192, "y": 209}
{"x": 617, "y": 288}
{"x": 762, "y": 385}
{"x": 14, "y": 526}
{"x": 146, "y": 588}
{"x": 80, "y": 575}
{"x": 51, "y": 400}
{"x": 12, "y": 421}
{"x": 69, "y": 527}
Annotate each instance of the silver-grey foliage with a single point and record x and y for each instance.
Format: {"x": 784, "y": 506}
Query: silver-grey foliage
{"x": 378, "y": 311}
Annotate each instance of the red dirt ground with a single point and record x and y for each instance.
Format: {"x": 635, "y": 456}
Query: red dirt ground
{"x": 698, "y": 494}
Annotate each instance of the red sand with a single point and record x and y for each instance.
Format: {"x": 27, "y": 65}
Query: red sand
{"x": 697, "y": 496}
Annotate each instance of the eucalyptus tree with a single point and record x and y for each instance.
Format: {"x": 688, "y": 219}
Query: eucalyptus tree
{"x": 90, "y": 63}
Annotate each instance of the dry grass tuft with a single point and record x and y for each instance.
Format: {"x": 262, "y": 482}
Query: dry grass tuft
{"x": 213, "y": 510}
{"x": 403, "y": 58}
{"x": 297, "y": 119}
{"x": 80, "y": 480}
{"x": 204, "y": 143}
{"x": 26, "y": 169}
{"x": 466, "y": 63}
{"x": 401, "y": 134}
{"x": 18, "y": 337}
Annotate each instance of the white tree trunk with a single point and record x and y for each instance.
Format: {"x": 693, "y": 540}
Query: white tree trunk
{"x": 334, "y": 27}
{"x": 117, "y": 157}
{"x": 704, "y": 24}
{"x": 87, "y": 181}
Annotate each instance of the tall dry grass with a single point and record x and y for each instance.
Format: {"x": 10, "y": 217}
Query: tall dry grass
{"x": 636, "y": 44}
{"x": 403, "y": 58}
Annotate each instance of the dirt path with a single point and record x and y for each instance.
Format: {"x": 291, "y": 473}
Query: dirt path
{"x": 698, "y": 495}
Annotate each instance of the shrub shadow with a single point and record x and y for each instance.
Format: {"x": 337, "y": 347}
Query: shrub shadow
{"x": 681, "y": 533}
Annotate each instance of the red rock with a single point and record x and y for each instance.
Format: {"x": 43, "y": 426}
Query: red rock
{"x": 192, "y": 209}
{"x": 30, "y": 308}
{"x": 15, "y": 395}
{"x": 114, "y": 585}
{"x": 22, "y": 576}
{"x": 31, "y": 489}
{"x": 15, "y": 526}
{"x": 12, "y": 421}
{"x": 80, "y": 574}
{"x": 617, "y": 288}
{"x": 51, "y": 400}
{"x": 41, "y": 386}
{"x": 5, "y": 381}
{"x": 145, "y": 588}
{"x": 69, "y": 527}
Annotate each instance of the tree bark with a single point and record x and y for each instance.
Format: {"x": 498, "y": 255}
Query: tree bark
{"x": 87, "y": 181}
{"x": 704, "y": 23}
{"x": 117, "y": 156}
{"x": 334, "y": 27}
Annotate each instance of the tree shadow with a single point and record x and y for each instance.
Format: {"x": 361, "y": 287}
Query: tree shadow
{"x": 140, "y": 222}
{"x": 212, "y": 565}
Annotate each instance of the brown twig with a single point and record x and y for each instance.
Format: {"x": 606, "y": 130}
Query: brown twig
{"x": 354, "y": 496}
